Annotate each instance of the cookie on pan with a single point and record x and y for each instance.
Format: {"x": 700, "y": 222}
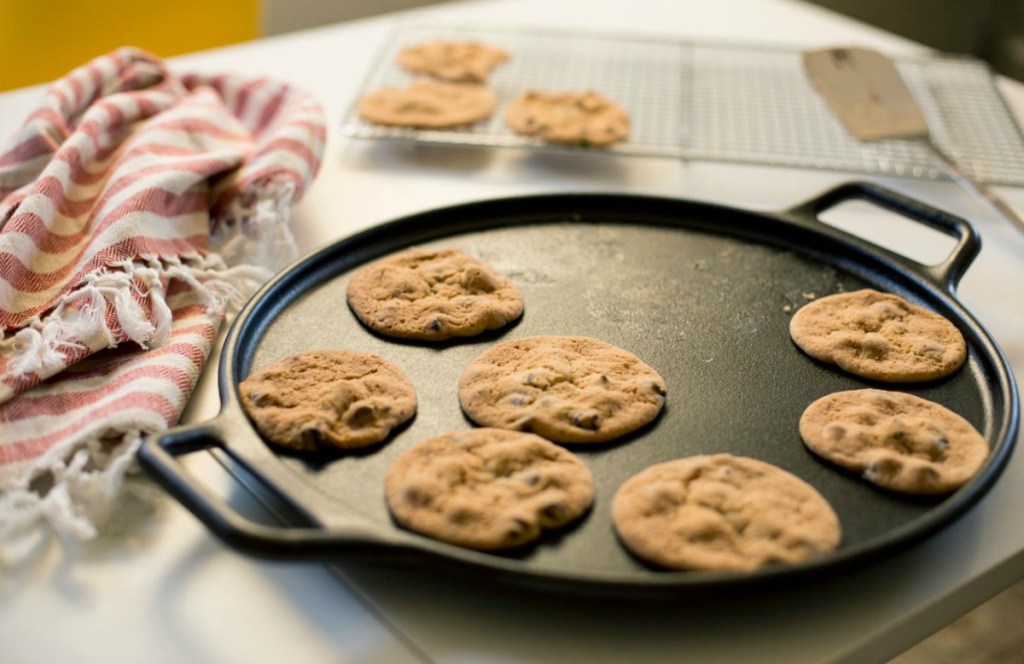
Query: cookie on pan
{"x": 879, "y": 336}
{"x": 459, "y": 61}
{"x": 570, "y": 118}
{"x": 328, "y": 398}
{"x": 722, "y": 512}
{"x": 566, "y": 389}
{"x": 428, "y": 105}
{"x": 487, "y": 489}
{"x": 432, "y": 295}
{"x": 898, "y": 441}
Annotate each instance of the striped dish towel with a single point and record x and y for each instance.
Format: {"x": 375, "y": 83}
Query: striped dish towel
{"x": 137, "y": 206}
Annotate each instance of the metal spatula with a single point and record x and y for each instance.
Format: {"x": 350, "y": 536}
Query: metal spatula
{"x": 866, "y": 93}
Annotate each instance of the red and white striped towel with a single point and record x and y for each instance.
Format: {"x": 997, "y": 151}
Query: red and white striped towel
{"x": 136, "y": 206}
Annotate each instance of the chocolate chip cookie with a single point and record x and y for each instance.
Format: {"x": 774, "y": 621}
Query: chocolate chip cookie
{"x": 879, "y": 336}
{"x": 572, "y": 118}
{"x": 432, "y": 295}
{"x": 428, "y": 105}
{"x": 328, "y": 398}
{"x": 460, "y": 61}
{"x": 487, "y": 489}
{"x": 722, "y": 512}
{"x": 898, "y": 441}
{"x": 567, "y": 389}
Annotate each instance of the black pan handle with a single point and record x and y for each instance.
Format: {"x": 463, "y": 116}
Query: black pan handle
{"x": 948, "y": 272}
{"x": 158, "y": 456}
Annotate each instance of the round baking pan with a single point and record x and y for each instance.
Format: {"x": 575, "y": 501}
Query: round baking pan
{"x": 703, "y": 293}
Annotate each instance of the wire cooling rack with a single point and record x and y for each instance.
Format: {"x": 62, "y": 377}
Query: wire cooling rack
{"x": 721, "y": 102}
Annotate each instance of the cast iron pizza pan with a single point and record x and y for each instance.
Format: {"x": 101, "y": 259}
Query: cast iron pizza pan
{"x": 701, "y": 292}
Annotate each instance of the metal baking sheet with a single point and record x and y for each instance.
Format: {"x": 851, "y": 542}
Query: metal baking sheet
{"x": 702, "y": 293}
{"x": 720, "y": 102}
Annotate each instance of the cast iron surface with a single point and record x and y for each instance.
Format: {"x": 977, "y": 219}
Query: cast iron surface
{"x": 702, "y": 293}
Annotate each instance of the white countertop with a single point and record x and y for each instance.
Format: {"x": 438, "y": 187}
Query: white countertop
{"x": 162, "y": 589}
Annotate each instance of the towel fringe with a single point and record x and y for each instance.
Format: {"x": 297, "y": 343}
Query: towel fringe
{"x": 257, "y": 231}
{"x": 80, "y": 321}
{"x": 76, "y": 488}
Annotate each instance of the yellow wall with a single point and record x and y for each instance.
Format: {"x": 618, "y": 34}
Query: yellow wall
{"x": 40, "y": 40}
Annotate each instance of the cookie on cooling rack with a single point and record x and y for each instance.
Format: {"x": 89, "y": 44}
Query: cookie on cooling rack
{"x": 328, "y": 398}
{"x": 428, "y": 104}
{"x": 459, "y": 61}
{"x": 896, "y": 440}
{"x": 879, "y": 336}
{"x": 569, "y": 118}
{"x": 487, "y": 489}
{"x": 432, "y": 295}
{"x": 722, "y": 512}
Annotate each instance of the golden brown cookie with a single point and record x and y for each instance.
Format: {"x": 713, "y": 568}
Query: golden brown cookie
{"x": 428, "y": 104}
{"x": 573, "y": 118}
{"x": 722, "y": 512}
{"x": 879, "y": 336}
{"x": 460, "y": 61}
{"x": 328, "y": 398}
{"x": 896, "y": 440}
{"x": 432, "y": 294}
{"x": 487, "y": 489}
{"x": 567, "y": 389}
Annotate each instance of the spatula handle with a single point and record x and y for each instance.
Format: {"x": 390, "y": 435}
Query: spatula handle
{"x": 979, "y": 189}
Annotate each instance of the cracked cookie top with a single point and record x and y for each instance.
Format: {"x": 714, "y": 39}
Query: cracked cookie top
{"x": 722, "y": 512}
{"x": 566, "y": 389}
{"x": 570, "y": 118}
{"x": 898, "y": 441}
{"x": 462, "y": 61}
{"x": 432, "y": 295}
{"x": 328, "y": 398}
{"x": 428, "y": 104}
{"x": 879, "y": 336}
{"x": 487, "y": 489}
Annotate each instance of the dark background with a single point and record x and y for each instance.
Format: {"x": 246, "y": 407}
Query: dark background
{"x": 989, "y": 29}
